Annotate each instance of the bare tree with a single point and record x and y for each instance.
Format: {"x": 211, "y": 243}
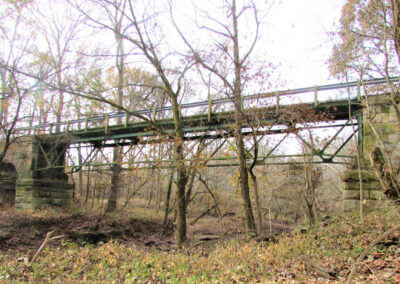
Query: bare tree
{"x": 369, "y": 47}
{"x": 229, "y": 62}
{"x": 395, "y": 9}
{"x": 59, "y": 33}
{"x": 12, "y": 85}
{"x": 115, "y": 13}
{"x": 139, "y": 31}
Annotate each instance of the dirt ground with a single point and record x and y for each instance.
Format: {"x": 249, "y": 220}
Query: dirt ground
{"x": 25, "y": 231}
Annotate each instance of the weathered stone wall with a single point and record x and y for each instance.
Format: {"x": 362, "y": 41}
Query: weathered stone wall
{"x": 351, "y": 189}
{"x": 38, "y": 194}
{"x": 7, "y": 189}
{"x": 21, "y": 154}
{"x": 384, "y": 119}
{"x": 18, "y": 158}
{"x": 37, "y": 189}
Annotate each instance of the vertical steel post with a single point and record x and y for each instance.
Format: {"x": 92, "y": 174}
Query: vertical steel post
{"x": 154, "y": 113}
{"x": 126, "y": 119}
{"x": 277, "y": 102}
{"x": 315, "y": 95}
{"x": 106, "y": 124}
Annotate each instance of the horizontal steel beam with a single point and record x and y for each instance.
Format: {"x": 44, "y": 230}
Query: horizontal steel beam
{"x": 223, "y": 123}
{"x": 279, "y": 93}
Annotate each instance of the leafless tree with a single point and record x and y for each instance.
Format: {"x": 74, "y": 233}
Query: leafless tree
{"x": 139, "y": 31}
{"x": 228, "y": 60}
{"x": 368, "y": 47}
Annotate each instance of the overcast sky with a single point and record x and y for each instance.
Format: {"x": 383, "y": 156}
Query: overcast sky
{"x": 295, "y": 34}
{"x": 300, "y": 41}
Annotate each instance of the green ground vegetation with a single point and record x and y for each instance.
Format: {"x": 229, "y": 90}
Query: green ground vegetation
{"x": 333, "y": 244}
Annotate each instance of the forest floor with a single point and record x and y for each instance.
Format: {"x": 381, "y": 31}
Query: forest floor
{"x": 124, "y": 247}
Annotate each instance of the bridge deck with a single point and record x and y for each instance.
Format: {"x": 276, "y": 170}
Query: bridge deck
{"x": 221, "y": 123}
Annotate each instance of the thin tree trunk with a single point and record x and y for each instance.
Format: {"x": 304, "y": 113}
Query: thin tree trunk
{"x": 117, "y": 157}
{"x": 94, "y": 192}
{"x": 237, "y": 92}
{"x": 115, "y": 173}
{"x": 87, "y": 185}
{"x": 165, "y": 223}
{"x": 159, "y": 189}
{"x": 80, "y": 173}
{"x": 102, "y": 199}
{"x": 395, "y": 5}
{"x": 60, "y": 99}
{"x": 180, "y": 195}
{"x": 190, "y": 188}
{"x": 79, "y": 149}
{"x": 257, "y": 201}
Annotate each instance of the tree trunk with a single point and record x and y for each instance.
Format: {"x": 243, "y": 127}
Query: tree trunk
{"x": 396, "y": 25}
{"x": 115, "y": 174}
{"x": 60, "y": 106}
{"x": 87, "y": 185}
{"x": 80, "y": 173}
{"x": 244, "y": 178}
{"x": 171, "y": 177}
{"x": 94, "y": 193}
{"x": 79, "y": 149}
{"x": 181, "y": 175}
{"x": 257, "y": 200}
{"x": 190, "y": 188}
{"x": 310, "y": 214}
{"x": 117, "y": 157}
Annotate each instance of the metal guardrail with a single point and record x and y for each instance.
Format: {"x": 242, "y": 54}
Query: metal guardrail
{"x": 209, "y": 104}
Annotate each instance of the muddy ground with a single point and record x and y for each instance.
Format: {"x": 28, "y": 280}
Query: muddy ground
{"x": 25, "y": 231}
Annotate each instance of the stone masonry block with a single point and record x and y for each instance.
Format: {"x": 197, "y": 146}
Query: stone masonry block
{"x": 367, "y": 185}
{"x": 368, "y": 194}
{"x": 351, "y": 205}
{"x": 352, "y": 175}
{"x": 43, "y": 193}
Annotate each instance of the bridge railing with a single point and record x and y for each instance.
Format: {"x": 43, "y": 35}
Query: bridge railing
{"x": 323, "y": 93}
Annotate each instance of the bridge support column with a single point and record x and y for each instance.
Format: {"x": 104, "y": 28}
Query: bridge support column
{"x": 41, "y": 181}
{"x": 8, "y": 176}
{"x": 351, "y": 189}
{"x": 38, "y": 194}
{"x": 385, "y": 122}
{"x": 44, "y": 184}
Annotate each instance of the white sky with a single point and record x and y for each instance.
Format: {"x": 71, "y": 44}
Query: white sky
{"x": 296, "y": 36}
{"x": 301, "y": 44}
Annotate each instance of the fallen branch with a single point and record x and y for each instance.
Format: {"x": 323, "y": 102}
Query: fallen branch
{"x": 368, "y": 249}
{"x": 202, "y": 215}
{"x": 195, "y": 245}
{"x": 46, "y": 240}
{"x": 228, "y": 214}
{"x": 320, "y": 270}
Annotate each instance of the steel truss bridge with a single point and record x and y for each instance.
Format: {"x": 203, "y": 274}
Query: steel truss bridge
{"x": 286, "y": 113}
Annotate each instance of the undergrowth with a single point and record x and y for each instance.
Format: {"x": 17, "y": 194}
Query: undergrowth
{"x": 334, "y": 245}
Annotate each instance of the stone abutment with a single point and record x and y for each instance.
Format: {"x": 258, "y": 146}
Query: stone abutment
{"x": 27, "y": 178}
